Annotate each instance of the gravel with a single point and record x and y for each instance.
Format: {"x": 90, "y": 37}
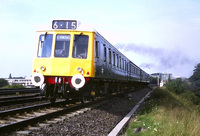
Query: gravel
{"x": 99, "y": 121}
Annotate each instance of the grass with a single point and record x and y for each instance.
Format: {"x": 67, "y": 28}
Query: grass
{"x": 168, "y": 114}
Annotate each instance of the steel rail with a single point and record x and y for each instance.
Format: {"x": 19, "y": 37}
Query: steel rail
{"x": 18, "y": 97}
{"x": 19, "y": 90}
{"x": 33, "y": 120}
{"x": 28, "y": 108}
{"x": 25, "y": 100}
{"x": 119, "y": 127}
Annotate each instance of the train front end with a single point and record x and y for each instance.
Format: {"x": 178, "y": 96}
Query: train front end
{"x": 64, "y": 61}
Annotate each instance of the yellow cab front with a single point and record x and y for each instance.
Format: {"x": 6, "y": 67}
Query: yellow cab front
{"x": 61, "y": 54}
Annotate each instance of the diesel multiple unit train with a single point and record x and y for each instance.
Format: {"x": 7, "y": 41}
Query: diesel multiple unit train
{"x": 80, "y": 64}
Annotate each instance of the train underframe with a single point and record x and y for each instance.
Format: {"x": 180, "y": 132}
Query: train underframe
{"x": 92, "y": 89}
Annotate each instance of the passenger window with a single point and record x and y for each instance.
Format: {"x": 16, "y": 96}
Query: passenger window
{"x": 131, "y": 69}
{"x": 80, "y": 47}
{"x": 62, "y": 45}
{"x": 113, "y": 59}
{"x": 124, "y": 64}
{"x": 105, "y": 53}
{"x": 97, "y": 49}
{"x": 134, "y": 70}
{"x": 120, "y": 66}
{"x": 110, "y": 56}
{"x": 117, "y": 60}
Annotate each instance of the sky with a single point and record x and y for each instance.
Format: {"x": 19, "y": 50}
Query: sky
{"x": 158, "y": 36}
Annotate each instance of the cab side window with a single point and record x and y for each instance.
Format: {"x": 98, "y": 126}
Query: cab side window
{"x": 45, "y": 45}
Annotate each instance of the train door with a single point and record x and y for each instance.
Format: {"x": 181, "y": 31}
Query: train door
{"x": 96, "y": 52}
{"x": 97, "y": 58}
{"x": 128, "y": 70}
{"x": 110, "y": 72}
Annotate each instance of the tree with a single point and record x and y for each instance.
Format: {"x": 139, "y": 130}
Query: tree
{"x": 10, "y": 77}
{"x": 3, "y": 83}
{"x": 196, "y": 74}
{"x": 195, "y": 79}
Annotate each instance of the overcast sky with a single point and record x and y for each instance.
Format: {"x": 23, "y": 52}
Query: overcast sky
{"x": 159, "y": 36}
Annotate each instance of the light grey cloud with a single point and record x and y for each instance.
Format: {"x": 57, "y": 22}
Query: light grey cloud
{"x": 161, "y": 59}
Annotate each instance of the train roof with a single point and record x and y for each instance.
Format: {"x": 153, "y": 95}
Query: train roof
{"x": 63, "y": 30}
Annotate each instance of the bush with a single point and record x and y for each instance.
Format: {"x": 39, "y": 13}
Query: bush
{"x": 190, "y": 96}
{"x": 159, "y": 94}
{"x": 3, "y": 83}
{"x": 153, "y": 80}
{"x": 177, "y": 86}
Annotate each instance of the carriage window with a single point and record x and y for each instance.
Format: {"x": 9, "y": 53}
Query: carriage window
{"x": 45, "y": 45}
{"x": 62, "y": 45}
{"x": 113, "y": 59}
{"x": 97, "y": 49}
{"x": 105, "y": 53}
{"x": 80, "y": 47}
{"x": 117, "y": 61}
{"x": 131, "y": 69}
{"x": 120, "y": 65}
{"x": 134, "y": 70}
{"x": 110, "y": 56}
{"x": 125, "y": 65}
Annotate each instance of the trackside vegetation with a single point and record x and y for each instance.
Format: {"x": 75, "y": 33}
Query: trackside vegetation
{"x": 13, "y": 86}
{"x": 169, "y": 111}
{"x": 3, "y": 82}
{"x": 4, "y": 85}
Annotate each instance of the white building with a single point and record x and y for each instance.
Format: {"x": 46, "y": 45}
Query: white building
{"x": 163, "y": 78}
{"x": 20, "y": 81}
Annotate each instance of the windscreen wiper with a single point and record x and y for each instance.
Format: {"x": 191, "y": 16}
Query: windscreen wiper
{"x": 78, "y": 36}
{"x": 45, "y": 35}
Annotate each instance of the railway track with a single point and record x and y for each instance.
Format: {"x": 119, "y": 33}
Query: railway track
{"x": 19, "y": 91}
{"x": 6, "y": 101}
{"x": 18, "y": 97}
{"x": 61, "y": 118}
{"x": 21, "y": 117}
